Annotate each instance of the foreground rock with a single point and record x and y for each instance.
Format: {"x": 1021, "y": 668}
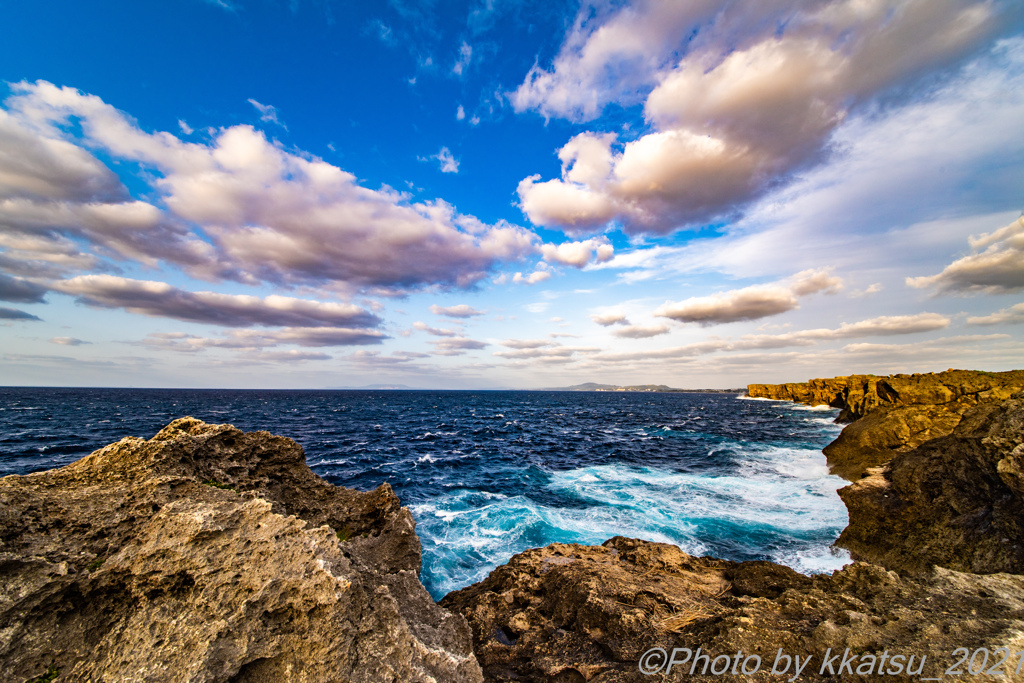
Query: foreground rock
{"x": 206, "y": 554}
{"x": 955, "y": 501}
{"x": 894, "y": 414}
{"x": 572, "y": 614}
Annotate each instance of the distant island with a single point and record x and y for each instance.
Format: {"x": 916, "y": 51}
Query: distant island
{"x": 651, "y": 388}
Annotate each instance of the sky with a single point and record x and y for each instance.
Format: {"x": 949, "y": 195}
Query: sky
{"x": 512, "y": 194}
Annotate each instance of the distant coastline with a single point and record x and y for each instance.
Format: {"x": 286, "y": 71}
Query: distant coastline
{"x": 650, "y": 388}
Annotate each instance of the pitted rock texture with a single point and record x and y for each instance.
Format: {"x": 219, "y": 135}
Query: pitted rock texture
{"x": 956, "y": 501}
{"x": 210, "y": 555}
{"x": 573, "y": 613}
{"x": 894, "y": 414}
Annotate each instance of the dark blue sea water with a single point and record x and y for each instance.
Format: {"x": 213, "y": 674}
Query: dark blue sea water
{"x": 490, "y": 474}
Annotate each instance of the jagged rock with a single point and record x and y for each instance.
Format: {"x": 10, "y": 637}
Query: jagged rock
{"x": 574, "y": 613}
{"x": 894, "y": 414}
{"x": 210, "y": 555}
{"x": 955, "y": 501}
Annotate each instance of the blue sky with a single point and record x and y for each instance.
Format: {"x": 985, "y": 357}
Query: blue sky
{"x": 491, "y": 194}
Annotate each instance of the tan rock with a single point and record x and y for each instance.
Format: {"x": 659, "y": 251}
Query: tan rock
{"x": 125, "y": 566}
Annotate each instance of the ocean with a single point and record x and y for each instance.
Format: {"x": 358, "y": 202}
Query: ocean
{"x": 488, "y": 474}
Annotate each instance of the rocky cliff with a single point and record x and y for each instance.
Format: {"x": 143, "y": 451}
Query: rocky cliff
{"x": 210, "y": 555}
{"x": 894, "y": 414}
{"x": 956, "y": 501}
{"x": 588, "y": 614}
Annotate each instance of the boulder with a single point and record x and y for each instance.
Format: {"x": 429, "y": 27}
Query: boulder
{"x": 206, "y": 554}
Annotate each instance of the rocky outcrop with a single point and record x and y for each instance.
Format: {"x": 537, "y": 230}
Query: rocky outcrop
{"x": 576, "y": 614}
{"x": 210, "y": 555}
{"x": 956, "y": 501}
{"x": 894, "y": 414}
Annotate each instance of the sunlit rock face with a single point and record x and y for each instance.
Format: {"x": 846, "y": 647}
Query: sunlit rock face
{"x": 209, "y": 554}
{"x": 894, "y": 414}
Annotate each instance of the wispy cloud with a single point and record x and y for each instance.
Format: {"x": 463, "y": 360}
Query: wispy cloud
{"x": 268, "y": 113}
{"x": 159, "y": 299}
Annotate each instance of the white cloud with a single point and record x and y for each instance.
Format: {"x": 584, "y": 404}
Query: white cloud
{"x": 67, "y": 341}
{"x": 531, "y": 279}
{"x": 610, "y": 318}
{"x": 460, "y": 113}
{"x": 1014, "y": 315}
{"x": 267, "y": 214}
{"x": 464, "y": 58}
{"x": 750, "y": 303}
{"x": 253, "y": 339}
{"x": 268, "y": 113}
{"x": 640, "y": 331}
{"x": 996, "y": 265}
{"x": 423, "y": 327}
{"x": 159, "y": 299}
{"x": 449, "y": 164}
{"x": 185, "y": 128}
{"x": 459, "y": 311}
{"x": 578, "y": 254}
{"x": 457, "y": 346}
{"x": 745, "y": 105}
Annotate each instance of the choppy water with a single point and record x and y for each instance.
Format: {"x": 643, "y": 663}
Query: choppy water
{"x": 489, "y": 474}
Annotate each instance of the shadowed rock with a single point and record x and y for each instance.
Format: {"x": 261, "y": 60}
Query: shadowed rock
{"x": 208, "y": 554}
{"x": 955, "y": 501}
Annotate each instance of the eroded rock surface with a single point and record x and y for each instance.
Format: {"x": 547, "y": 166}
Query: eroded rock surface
{"x": 894, "y": 414}
{"x": 956, "y": 501}
{"x": 577, "y": 613}
{"x": 125, "y": 566}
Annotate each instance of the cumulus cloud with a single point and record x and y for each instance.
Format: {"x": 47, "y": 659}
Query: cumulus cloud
{"x": 1014, "y": 315}
{"x": 531, "y": 279}
{"x": 20, "y": 291}
{"x": 423, "y": 327}
{"x": 459, "y": 311}
{"x": 159, "y": 299}
{"x": 67, "y": 341}
{"x": 995, "y": 266}
{"x": 266, "y": 214}
{"x": 14, "y": 314}
{"x": 578, "y": 254}
{"x": 457, "y": 346}
{"x": 750, "y": 303}
{"x": 610, "y": 318}
{"x": 736, "y": 103}
{"x": 448, "y": 163}
{"x": 640, "y": 331}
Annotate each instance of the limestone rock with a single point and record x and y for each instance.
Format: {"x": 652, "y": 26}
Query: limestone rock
{"x": 955, "y": 501}
{"x": 893, "y": 414}
{"x": 577, "y": 613}
{"x": 208, "y": 554}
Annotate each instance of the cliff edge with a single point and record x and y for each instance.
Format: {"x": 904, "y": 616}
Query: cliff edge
{"x": 206, "y": 554}
{"x": 894, "y": 414}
